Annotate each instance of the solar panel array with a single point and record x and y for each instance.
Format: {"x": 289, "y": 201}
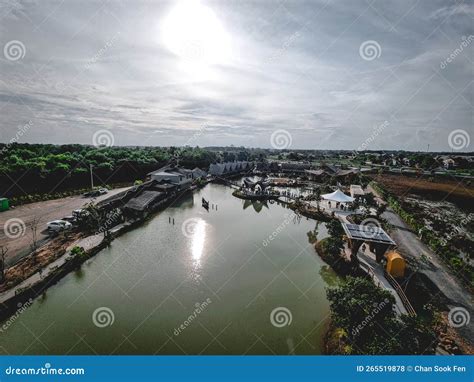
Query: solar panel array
{"x": 369, "y": 232}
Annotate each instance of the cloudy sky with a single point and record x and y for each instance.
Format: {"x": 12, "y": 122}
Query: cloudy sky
{"x": 328, "y": 74}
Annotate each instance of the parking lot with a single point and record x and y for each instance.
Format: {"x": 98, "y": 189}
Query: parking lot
{"x": 44, "y": 212}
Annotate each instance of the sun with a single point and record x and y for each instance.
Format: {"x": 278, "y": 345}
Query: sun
{"x": 194, "y": 33}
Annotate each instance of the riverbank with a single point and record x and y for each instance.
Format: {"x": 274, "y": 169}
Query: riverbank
{"x": 165, "y": 269}
{"x": 47, "y": 265}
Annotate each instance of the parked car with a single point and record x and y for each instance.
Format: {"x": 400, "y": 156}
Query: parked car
{"x": 71, "y": 219}
{"x": 59, "y": 225}
{"x": 95, "y": 193}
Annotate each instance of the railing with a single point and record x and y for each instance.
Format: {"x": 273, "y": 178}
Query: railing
{"x": 403, "y": 297}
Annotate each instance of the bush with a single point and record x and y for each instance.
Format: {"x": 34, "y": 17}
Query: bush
{"x": 365, "y": 312}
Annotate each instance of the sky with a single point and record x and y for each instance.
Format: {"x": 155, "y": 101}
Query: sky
{"x": 319, "y": 74}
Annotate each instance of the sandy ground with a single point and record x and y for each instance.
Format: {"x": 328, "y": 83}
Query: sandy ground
{"x": 45, "y": 212}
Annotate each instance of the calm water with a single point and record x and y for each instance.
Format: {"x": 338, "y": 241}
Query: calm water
{"x": 152, "y": 279}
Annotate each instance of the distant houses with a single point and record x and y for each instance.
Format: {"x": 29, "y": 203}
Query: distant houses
{"x": 229, "y": 168}
{"x": 181, "y": 177}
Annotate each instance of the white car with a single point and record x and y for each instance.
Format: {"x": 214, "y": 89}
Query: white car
{"x": 59, "y": 225}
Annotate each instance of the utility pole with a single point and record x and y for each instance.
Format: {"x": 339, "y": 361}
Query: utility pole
{"x": 92, "y": 178}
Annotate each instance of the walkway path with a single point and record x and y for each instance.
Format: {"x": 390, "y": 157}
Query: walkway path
{"x": 87, "y": 243}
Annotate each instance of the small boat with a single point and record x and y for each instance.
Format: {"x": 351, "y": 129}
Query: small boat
{"x": 205, "y": 203}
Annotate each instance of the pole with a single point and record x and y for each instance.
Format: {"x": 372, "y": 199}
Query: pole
{"x": 92, "y": 178}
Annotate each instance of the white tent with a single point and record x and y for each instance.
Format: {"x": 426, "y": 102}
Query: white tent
{"x": 338, "y": 196}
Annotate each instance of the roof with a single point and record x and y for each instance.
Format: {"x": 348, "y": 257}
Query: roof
{"x": 357, "y": 189}
{"x": 170, "y": 170}
{"x": 370, "y": 233}
{"x": 315, "y": 172}
{"x": 346, "y": 172}
{"x": 338, "y": 196}
{"x": 142, "y": 201}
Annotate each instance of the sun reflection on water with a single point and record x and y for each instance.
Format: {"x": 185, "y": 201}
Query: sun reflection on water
{"x": 198, "y": 239}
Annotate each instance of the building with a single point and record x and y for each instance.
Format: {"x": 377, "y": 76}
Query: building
{"x": 198, "y": 173}
{"x": 229, "y": 168}
{"x": 357, "y": 191}
{"x": 176, "y": 175}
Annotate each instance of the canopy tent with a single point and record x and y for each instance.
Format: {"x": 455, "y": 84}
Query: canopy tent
{"x": 338, "y": 196}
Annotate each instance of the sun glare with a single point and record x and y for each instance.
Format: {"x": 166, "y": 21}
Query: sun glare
{"x": 193, "y": 32}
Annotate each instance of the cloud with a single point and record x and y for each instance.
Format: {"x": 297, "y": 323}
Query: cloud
{"x": 293, "y": 66}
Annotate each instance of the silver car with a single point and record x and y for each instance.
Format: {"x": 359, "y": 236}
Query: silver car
{"x": 59, "y": 225}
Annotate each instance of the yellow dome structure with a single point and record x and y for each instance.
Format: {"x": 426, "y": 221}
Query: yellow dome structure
{"x": 395, "y": 264}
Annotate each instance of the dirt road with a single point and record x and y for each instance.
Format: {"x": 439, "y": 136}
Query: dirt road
{"x": 436, "y": 270}
{"x": 45, "y": 212}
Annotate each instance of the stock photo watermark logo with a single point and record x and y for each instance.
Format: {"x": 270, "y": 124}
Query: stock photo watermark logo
{"x": 286, "y": 44}
{"x": 18, "y": 313}
{"x": 456, "y": 230}
{"x": 376, "y": 310}
{"x": 371, "y": 227}
{"x": 14, "y": 50}
{"x": 370, "y": 50}
{"x": 375, "y": 133}
{"x": 188, "y": 228}
{"x": 103, "y": 138}
{"x": 281, "y": 139}
{"x": 199, "y": 307}
{"x": 459, "y": 139}
{"x": 101, "y": 52}
{"x": 458, "y": 317}
{"x": 103, "y": 317}
{"x": 280, "y": 317}
{"x": 20, "y": 132}
{"x": 112, "y": 219}
{"x": 14, "y": 228}
{"x": 466, "y": 41}
{"x": 279, "y": 229}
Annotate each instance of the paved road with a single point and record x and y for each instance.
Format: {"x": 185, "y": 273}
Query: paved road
{"x": 45, "y": 212}
{"x": 412, "y": 248}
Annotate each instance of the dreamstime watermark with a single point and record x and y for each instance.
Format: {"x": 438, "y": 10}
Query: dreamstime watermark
{"x": 458, "y": 317}
{"x": 199, "y": 307}
{"x": 103, "y": 138}
{"x": 103, "y": 317}
{"x": 375, "y": 133}
{"x": 101, "y": 52}
{"x": 111, "y": 220}
{"x": 286, "y": 44}
{"x": 20, "y": 132}
{"x": 14, "y": 50}
{"x": 376, "y": 310}
{"x": 188, "y": 228}
{"x": 456, "y": 230}
{"x": 466, "y": 41}
{"x": 46, "y": 370}
{"x": 7, "y": 7}
{"x": 190, "y": 141}
{"x": 371, "y": 227}
{"x": 288, "y": 219}
{"x": 459, "y": 139}
{"x": 14, "y": 228}
{"x": 280, "y": 317}
{"x": 370, "y": 50}
{"x": 281, "y": 139}
{"x": 18, "y": 313}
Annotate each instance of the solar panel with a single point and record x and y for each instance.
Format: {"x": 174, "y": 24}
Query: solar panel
{"x": 368, "y": 232}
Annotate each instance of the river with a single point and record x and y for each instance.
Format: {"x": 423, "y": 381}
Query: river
{"x": 241, "y": 278}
